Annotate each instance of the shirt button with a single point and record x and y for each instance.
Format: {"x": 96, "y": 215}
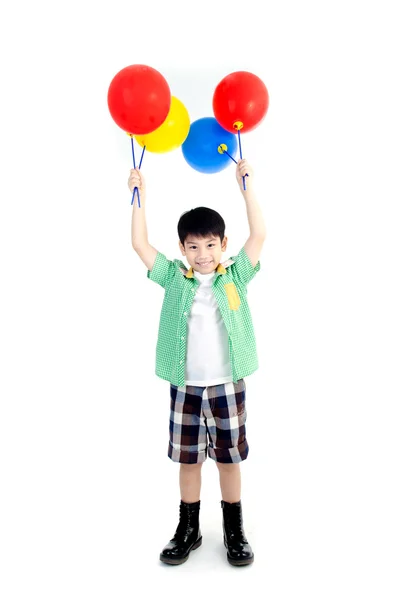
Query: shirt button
{"x": 182, "y": 338}
{"x": 180, "y": 362}
{"x": 185, "y": 313}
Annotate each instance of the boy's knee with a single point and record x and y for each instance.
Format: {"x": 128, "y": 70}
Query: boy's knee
{"x": 191, "y": 467}
{"x": 227, "y": 466}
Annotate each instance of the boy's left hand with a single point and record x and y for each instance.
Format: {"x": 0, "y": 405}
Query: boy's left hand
{"x": 244, "y": 168}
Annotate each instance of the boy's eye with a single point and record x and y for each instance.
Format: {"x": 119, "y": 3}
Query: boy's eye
{"x": 194, "y": 247}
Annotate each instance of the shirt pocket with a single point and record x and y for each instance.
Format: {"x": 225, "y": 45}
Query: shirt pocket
{"x": 232, "y": 296}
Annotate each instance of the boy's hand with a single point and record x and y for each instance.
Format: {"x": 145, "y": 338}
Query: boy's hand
{"x": 244, "y": 168}
{"x": 136, "y": 179}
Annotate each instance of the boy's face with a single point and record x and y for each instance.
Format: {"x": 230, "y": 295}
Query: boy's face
{"x": 203, "y": 254}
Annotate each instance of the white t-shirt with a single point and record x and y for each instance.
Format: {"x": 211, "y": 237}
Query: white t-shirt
{"x": 207, "y": 355}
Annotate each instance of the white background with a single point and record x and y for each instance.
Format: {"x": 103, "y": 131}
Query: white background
{"x": 89, "y": 496}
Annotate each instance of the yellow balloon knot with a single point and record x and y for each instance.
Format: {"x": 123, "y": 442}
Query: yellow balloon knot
{"x": 238, "y": 125}
{"x": 222, "y": 148}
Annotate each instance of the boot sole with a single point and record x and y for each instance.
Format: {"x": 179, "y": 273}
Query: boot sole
{"x": 238, "y": 563}
{"x": 180, "y": 561}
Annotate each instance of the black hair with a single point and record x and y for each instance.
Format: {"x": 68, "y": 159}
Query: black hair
{"x": 201, "y": 222}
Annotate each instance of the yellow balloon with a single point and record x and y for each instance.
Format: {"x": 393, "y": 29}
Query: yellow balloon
{"x": 171, "y": 134}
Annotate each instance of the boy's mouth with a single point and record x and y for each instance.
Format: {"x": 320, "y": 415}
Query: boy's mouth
{"x": 205, "y": 264}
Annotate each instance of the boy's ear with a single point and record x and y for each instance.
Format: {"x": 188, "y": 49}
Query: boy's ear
{"x": 182, "y": 249}
{"x": 224, "y": 244}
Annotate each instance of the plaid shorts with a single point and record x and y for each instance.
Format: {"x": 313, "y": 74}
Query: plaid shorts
{"x": 208, "y": 419}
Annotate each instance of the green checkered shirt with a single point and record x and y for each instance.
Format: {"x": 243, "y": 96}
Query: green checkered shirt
{"x": 230, "y": 290}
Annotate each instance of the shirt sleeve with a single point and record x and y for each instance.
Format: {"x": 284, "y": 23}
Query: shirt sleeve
{"x": 163, "y": 270}
{"x": 242, "y": 269}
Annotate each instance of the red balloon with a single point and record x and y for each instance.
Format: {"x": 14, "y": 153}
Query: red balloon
{"x": 240, "y": 97}
{"x": 139, "y": 99}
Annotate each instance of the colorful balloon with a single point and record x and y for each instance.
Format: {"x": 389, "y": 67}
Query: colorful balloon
{"x": 240, "y": 101}
{"x": 171, "y": 134}
{"x": 200, "y": 149}
{"x": 139, "y": 99}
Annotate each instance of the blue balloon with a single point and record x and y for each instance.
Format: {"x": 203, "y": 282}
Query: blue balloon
{"x": 200, "y": 149}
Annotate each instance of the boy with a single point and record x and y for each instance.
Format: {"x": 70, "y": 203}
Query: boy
{"x": 206, "y": 345}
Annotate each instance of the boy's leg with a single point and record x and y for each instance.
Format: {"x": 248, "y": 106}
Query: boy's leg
{"x": 187, "y": 446}
{"x": 226, "y": 416}
{"x": 230, "y": 481}
{"x": 239, "y": 552}
{"x": 190, "y": 482}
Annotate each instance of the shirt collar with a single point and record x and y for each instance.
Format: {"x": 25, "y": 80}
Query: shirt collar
{"x": 220, "y": 269}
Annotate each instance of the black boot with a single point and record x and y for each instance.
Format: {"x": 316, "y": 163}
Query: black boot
{"x": 239, "y": 551}
{"x": 187, "y": 535}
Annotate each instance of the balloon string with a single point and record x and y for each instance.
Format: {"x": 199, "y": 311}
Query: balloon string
{"x": 241, "y": 154}
{"x": 140, "y": 164}
{"x": 233, "y": 159}
{"x": 143, "y": 152}
{"x": 230, "y": 156}
{"x": 135, "y": 189}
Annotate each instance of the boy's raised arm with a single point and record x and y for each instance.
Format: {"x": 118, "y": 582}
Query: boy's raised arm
{"x": 139, "y": 235}
{"x": 253, "y": 245}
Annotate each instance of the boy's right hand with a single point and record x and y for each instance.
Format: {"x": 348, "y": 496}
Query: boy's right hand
{"x": 136, "y": 179}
